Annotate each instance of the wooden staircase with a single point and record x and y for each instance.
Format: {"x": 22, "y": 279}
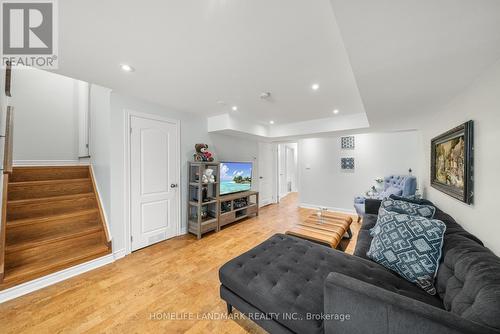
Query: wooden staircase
{"x": 54, "y": 221}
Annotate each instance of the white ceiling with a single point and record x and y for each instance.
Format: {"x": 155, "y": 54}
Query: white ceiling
{"x": 406, "y": 56}
{"x": 410, "y": 56}
{"x": 189, "y": 54}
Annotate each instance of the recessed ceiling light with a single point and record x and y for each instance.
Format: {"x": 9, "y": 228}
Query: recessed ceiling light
{"x": 271, "y": 122}
{"x": 127, "y": 68}
{"x": 336, "y": 111}
{"x": 235, "y": 108}
{"x": 315, "y": 86}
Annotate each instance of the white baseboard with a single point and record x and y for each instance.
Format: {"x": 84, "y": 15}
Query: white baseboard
{"x": 50, "y": 162}
{"x": 329, "y": 208}
{"x": 284, "y": 194}
{"x": 120, "y": 253}
{"x": 42, "y": 282}
{"x": 265, "y": 203}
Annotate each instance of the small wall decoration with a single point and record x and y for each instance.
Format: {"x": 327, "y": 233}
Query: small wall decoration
{"x": 452, "y": 162}
{"x": 348, "y": 143}
{"x": 347, "y": 163}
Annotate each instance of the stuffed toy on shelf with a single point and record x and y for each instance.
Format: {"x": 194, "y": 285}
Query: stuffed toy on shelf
{"x": 202, "y": 153}
{"x": 209, "y": 176}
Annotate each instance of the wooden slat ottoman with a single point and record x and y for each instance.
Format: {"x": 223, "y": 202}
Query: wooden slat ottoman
{"x": 327, "y": 229}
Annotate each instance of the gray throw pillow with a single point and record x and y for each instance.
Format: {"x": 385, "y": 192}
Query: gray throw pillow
{"x": 409, "y": 245}
{"x": 393, "y": 191}
{"x": 375, "y": 229}
{"x": 408, "y": 208}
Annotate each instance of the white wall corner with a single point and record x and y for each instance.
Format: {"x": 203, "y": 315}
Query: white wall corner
{"x": 106, "y": 219}
{"x": 119, "y": 254}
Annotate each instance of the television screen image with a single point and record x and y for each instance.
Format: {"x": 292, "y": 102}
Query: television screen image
{"x": 235, "y": 177}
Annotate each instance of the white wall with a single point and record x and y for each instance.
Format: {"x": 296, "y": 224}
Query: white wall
{"x": 231, "y": 148}
{"x": 99, "y": 143}
{"x": 323, "y": 184}
{"x": 193, "y": 130}
{"x": 46, "y": 116}
{"x": 481, "y": 103}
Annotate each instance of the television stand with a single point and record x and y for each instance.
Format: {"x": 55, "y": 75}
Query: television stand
{"x": 238, "y": 206}
{"x": 207, "y": 210}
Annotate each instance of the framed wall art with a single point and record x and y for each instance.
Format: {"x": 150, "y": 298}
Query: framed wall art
{"x": 452, "y": 162}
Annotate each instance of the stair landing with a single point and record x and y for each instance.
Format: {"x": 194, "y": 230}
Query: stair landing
{"x": 54, "y": 221}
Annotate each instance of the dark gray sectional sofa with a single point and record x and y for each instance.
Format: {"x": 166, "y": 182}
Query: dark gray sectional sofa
{"x": 290, "y": 285}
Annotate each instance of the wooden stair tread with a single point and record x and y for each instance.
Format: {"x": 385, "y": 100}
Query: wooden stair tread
{"x": 36, "y": 262}
{"x": 54, "y": 221}
{"x": 34, "y": 173}
{"x": 48, "y": 206}
{"x": 49, "y": 218}
{"x": 24, "y": 238}
{"x": 47, "y": 188}
{"x": 43, "y": 182}
{"x": 49, "y": 199}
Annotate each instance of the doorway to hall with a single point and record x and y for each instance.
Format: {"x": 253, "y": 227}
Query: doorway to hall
{"x": 287, "y": 170}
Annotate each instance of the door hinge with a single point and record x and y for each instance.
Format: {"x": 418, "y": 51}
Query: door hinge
{"x": 130, "y": 129}
{"x": 131, "y": 238}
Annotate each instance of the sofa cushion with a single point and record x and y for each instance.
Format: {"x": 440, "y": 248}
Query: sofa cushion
{"x": 468, "y": 276}
{"x": 412, "y": 199}
{"x": 408, "y": 208}
{"x": 468, "y": 280}
{"x": 285, "y": 274}
{"x": 453, "y": 228}
{"x": 364, "y": 237}
{"x": 408, "y": 245}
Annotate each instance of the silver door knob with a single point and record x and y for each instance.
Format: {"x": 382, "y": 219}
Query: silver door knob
{"x": 173, "y": 185}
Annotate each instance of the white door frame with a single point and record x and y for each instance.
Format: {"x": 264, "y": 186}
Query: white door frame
{"x": 282, "y": 146}
{"x": 274, "y": 166}
{"x": 127, "y": 195}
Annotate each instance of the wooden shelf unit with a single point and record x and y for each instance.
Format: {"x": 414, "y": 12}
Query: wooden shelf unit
{"x": 216, "y": 218}
{"x": 235, "y": 212}
{"x": 198, "y": 193}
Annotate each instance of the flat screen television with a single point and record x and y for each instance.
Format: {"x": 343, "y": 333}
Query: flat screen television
{"x": 235, "y": 177}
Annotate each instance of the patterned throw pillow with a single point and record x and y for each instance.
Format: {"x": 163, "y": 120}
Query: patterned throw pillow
{"x": 408, "y": 208}
{"x": 410, "y": 246}
{"x": 375, "y": 229}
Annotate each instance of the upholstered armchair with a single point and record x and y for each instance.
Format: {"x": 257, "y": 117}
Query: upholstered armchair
{"x": 399, "y": 185}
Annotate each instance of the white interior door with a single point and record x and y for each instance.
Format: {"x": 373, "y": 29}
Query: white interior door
{"x": 266, "y": 174}
{"x": 154, "y": 163}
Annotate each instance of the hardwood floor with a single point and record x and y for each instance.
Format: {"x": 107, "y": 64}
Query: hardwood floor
{"x": 135, "y": 294}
